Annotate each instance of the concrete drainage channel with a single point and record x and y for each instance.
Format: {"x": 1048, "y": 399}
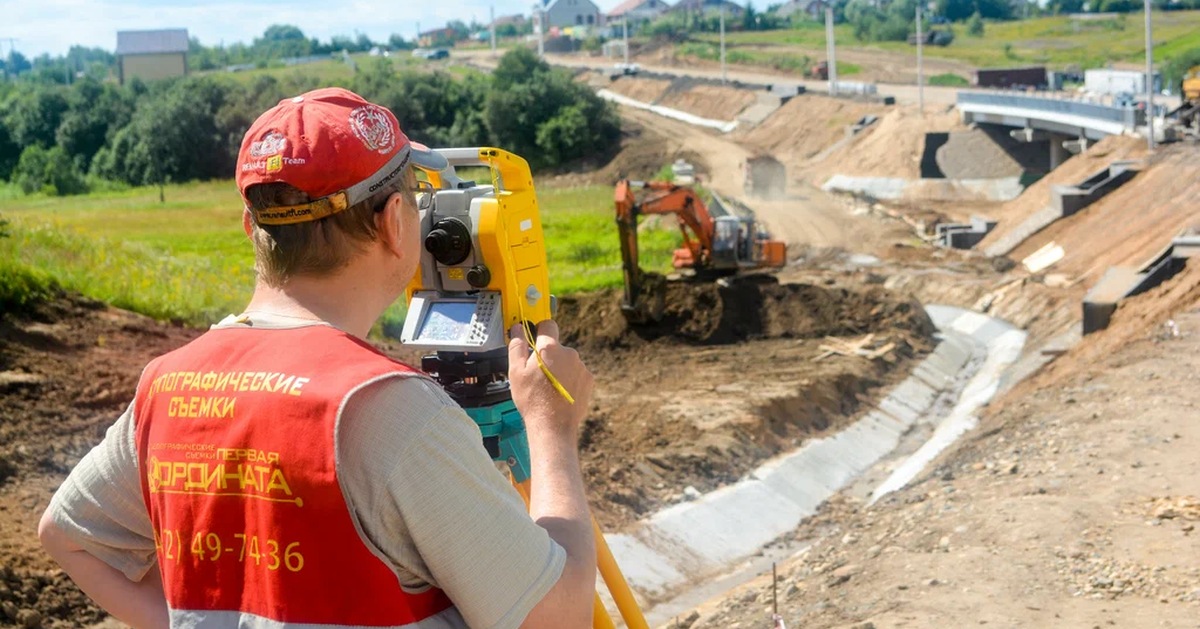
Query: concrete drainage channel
{"x": 691, "y": 552}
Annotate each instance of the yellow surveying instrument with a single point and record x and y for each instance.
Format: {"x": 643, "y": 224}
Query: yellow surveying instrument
{"x": 483, "y": 270}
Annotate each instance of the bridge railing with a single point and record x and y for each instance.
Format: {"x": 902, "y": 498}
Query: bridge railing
{"x": 1127, "y": 116}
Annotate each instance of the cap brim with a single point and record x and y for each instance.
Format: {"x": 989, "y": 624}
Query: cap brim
{"x": 427, "y": 158}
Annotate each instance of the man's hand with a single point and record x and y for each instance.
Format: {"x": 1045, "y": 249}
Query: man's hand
{"x": 542, "y": 406}
{"x": 557, "y": 501}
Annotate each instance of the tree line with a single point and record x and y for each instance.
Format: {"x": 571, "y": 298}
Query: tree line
{"x": 92, "y": 134}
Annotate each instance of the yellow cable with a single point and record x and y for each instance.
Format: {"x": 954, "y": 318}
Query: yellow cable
{"x": 520, "y": 305}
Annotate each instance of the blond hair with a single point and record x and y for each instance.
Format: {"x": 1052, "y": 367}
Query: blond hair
{"x": 318, "y": 247}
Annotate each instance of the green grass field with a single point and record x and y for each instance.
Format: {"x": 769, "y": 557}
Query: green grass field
{"x": 1056, "y": 41}
{"x": 187, "y": 259}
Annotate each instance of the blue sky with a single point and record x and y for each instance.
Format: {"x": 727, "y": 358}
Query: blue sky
{"x": 52, "y": 26}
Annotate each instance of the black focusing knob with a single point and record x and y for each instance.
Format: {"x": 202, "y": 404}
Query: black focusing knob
{"x": 449, "y": 241}
{"x": 479, "y": 276}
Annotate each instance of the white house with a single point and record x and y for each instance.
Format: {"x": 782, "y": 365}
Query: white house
{"x": 568, "y": 13}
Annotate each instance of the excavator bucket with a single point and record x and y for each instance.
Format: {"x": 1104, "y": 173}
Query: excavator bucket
{"x": 649, "y": 302}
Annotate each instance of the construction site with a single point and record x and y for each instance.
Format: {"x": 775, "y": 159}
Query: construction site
{"x": 966, "y": 394}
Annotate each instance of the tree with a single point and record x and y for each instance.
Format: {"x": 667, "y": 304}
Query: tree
{"x": 544, "y": 115}
{"x": 95, "y": 112}
{"x": 281, "y": 40}
{"x": 10, "y": 152}
{"x": 34, "y": 115}
{"x": 17, "y": 63}
{"x": 975, "y": 25}
{"x": 1177, "y": 66}
{"x": 50, "y": 171}
{"x": 174, "y": 135}
{"x": 397, "y": 42}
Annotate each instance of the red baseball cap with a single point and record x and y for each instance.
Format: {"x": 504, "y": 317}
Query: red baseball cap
{"x": 330, "y": 143}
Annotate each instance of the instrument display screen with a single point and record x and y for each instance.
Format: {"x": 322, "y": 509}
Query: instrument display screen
{"x": 447, "y": 321}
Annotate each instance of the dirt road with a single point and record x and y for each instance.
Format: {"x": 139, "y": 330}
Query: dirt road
{"x": 807, "y": 216}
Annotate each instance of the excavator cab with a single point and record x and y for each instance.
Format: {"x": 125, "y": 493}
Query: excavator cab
{"x": 726, "y": 243}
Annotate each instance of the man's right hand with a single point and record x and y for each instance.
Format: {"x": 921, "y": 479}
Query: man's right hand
{"x": 557, "y": 500}
{"x": 541, "y": 405}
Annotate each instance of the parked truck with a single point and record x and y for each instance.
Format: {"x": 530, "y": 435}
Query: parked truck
{"x": 1011, "y": 78}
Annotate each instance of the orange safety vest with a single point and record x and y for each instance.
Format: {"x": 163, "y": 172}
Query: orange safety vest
{"x": 236, "y": 442}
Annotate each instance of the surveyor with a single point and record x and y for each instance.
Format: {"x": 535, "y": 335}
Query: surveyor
{"x": 279, "y": 471}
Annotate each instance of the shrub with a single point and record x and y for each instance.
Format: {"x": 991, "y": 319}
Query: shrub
{"x": 975, "y": 25}
{"x": 948, "y": 79}
{"x": 50, "y": 171}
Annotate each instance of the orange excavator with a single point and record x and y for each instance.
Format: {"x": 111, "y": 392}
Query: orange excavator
{"x": 716, "y": 242}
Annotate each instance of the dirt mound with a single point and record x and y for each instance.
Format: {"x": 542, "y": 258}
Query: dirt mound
{"x": 641, "y": 156}
{"x": 708, "y": 101}
{"x": 723, "y": 312}
{"x": 639, "y": 88}
{"x": 891, "y": 147}
{"x": 808, "y": 124}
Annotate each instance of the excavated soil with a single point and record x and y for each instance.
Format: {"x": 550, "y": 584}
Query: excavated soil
{"x": 66, "y": 371}
{"x": 708, "y": 101}
{"x": 715, "y": 102}
{"x": 640, "y": 88}
{"x": 892, "y": 147}
{"x": 807, "y": 125}
{"x": 727, "y": 379}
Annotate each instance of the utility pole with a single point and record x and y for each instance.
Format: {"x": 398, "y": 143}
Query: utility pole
{"x": 493, "y": 11}
{"x": 830, "y": 53}
{"x": 625, "y": 29}
{"x": 724, "y": 76}
{"x": 1149, "y": 82}
{"x": 920, "y": 62}
{"x": 538, "y": 24}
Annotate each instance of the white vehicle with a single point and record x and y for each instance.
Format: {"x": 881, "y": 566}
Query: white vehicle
{"x": 628, "y": 69}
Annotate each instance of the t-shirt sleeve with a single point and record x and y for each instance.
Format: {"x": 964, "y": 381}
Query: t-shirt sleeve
{"x": 100, "y": 504}
{"x": 428, "y": 497}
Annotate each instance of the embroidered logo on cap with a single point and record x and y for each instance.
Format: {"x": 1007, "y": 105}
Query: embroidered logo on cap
{"x": 372, "y": 125}
{"x": 271, "y": 144}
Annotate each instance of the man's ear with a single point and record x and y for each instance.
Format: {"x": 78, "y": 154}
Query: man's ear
{"x": 247, "y": 223}
{"x": 390, "y": 224}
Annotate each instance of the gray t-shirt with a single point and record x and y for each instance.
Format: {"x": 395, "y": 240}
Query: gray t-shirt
{"x": 419, "y": 484}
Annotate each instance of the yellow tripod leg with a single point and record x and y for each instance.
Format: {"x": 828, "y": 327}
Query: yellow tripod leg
{"x": 613, "y": 579}
{"x": 600, "y": 617}
{"x": 631, "y": 612}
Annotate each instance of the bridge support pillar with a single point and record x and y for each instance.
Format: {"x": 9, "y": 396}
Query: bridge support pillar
{"x": 1030, "y": 135}
{"x": 1058, "y": 150}
{"x": 1076, "y": 146}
